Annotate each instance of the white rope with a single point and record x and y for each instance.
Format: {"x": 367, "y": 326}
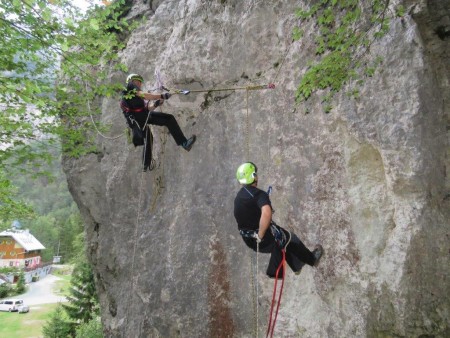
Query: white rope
{"x": 133, "y": 285}
{"x": 254, "y": 295}
{"x": 93, "y": 122}
{"x": 257, "y": 289}
{"x": 247, "y": 127}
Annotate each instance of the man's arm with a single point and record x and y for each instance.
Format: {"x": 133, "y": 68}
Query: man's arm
{"x": 264, "y": 221}
{"x": 149, "y": 96}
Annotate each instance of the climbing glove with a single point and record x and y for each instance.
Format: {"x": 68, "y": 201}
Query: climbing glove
{"x": 157, "y": 103}
{"x": 165, "y": 96}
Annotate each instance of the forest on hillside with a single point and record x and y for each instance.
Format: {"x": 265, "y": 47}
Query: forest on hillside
{"x": 44, "y": 79}
{"x": 55, "y": 220}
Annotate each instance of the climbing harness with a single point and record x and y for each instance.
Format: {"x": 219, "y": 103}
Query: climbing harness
{"x": 127, "y": 109}
{"x": 278, "y": 234}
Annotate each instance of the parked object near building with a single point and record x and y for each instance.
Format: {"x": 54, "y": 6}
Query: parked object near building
{"x": 13, "y": 305}
{"x": 23, "y": 308}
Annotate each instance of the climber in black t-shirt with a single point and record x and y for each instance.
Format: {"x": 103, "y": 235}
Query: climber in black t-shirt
{"x": 135, "y": 106}
{"x": 253, "y": 214}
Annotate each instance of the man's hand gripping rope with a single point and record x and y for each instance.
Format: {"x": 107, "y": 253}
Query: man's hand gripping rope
{"x": 256, "y": 237}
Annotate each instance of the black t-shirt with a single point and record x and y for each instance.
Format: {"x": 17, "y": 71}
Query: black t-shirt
{"x": 247, "y": 207}
{"x": 132, "y": 100}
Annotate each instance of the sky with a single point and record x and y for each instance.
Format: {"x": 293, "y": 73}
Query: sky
{"x": 84, "y": 4}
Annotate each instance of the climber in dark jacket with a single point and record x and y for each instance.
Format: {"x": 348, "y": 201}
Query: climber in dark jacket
{"x": 253, "y": 214}
{"x": 135, "y": 108}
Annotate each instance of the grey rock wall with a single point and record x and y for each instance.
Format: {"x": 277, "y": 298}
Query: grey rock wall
{"x": 369, "y": 181}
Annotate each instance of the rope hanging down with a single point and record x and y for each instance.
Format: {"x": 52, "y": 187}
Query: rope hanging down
{"x": 135, "y": 241}
{"x": 255, "y": 291}
{"x": 282, "y": 265}
{"x": 93, "y": 122}
{"x": 271, "y": 326}
{"x": 137, "y": 227}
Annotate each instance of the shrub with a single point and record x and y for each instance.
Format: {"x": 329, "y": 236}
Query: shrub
{"x": 91, "y": 329}
{"x": 5, "y": 290}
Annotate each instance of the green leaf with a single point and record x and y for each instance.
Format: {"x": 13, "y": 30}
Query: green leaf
{"x": 400, "y": 11}
{"x": 94, "y": 24}
{"x": 46, "y": 14}
{"x": 344, "y": 35}
{"x": 64, "y": 46}
{"x": 297, "y": 33}
{"x": 17, "y": 3}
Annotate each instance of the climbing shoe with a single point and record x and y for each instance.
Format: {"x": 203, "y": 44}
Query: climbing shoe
{"x": 188, "y": 144}
{"x": 300, "y": 269}
{"x": 317, "y": 252}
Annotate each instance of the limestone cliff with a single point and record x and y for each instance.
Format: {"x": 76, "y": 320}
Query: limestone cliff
{"x": 369, "y": 180}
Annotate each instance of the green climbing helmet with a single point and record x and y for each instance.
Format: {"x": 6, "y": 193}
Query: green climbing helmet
{"x": 132, "y": 77}
{"x": 246, "y": 173}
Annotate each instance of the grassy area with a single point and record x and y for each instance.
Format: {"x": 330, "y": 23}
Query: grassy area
{"x": 29, "y": 325}
{"x": 25, "y": 325}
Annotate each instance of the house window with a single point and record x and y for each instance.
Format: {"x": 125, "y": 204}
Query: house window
{"x": 8, "y": 241}
{"x": 12, "y": 253}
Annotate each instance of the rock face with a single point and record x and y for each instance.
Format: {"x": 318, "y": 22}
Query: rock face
{"x": 369, "y": 181}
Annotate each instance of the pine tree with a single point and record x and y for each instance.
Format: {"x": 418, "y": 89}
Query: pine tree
{"x": 83, "y": 299}
{"x": 56, "y": 326}
{"x": 20, "y": 287}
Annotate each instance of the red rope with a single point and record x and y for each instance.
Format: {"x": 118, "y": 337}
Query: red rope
{"x": 271, "y": 326}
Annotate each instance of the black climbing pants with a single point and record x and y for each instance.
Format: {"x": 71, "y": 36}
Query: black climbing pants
{"x": 162, "y": 119}
{"x": 297, "y": 254}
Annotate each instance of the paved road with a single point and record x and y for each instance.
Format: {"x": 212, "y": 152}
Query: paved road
{"x": 41, "y": 292}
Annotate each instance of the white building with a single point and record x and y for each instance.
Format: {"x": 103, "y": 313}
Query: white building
{"x": 19, "y": 248}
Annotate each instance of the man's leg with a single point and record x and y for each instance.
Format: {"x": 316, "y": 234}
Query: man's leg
{"x": 276, "y": 257}
{"x": 168, "y": 120}
{"x": 297, "y": 254}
